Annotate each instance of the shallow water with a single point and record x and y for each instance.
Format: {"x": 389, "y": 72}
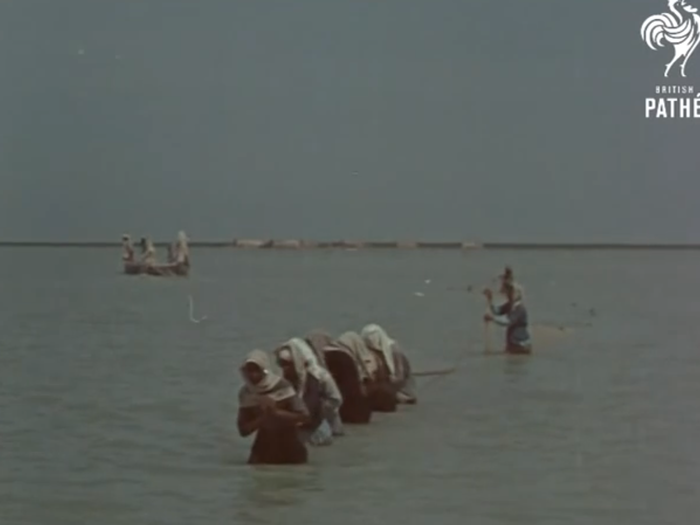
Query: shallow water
{"x": 116, "y": 409}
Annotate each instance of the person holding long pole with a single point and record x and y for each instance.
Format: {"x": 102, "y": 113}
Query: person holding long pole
{"x": 513, "y": 316}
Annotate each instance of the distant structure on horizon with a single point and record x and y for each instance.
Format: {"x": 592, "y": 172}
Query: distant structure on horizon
{"x": 297, "y": 244}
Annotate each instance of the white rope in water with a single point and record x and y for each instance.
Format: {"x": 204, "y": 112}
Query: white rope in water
{"x": 441, "y": 372}
{"x": 192, "y": 312}
{"x": 437, "y": 375}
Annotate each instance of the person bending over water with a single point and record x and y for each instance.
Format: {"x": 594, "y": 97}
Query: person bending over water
{"x": 319, "y": 340}
{"x": 270, "y": 408}
{"x": 127, "y": 249}
{"x": 395, "y": 363}
{"x": 351, "y": 376}
{"x": 512, "y": 315}
{"x": 316, "y": 431}
{"x": 331, "y": 397}
{"x": 366, "y": 361}
{"x": 375, "y": 381}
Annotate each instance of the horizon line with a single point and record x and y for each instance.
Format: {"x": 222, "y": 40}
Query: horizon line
{"x": 305, "y": 245}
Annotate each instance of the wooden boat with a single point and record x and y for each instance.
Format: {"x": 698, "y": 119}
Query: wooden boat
{"x": 157, "y": 270}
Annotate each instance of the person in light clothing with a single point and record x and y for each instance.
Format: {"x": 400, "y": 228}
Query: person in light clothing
{"x": 395, "y": 365}
{"x": 148, "y": 251}
{"x": 182, "y": 251}
{"x": 331, "y": 397}
{"x": 290, "y": 358}
{"x": 127, "y": 249}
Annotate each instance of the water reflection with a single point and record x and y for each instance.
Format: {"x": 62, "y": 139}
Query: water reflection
{"x": 266, "y": 490}
{"x": 516, "y": 367}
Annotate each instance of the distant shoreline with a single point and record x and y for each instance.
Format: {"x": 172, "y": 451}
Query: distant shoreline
{"x": 349, "y": 245}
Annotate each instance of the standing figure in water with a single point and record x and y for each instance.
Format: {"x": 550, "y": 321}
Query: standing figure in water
{"x": 394, "y": 363}
{"x": 512, "y": 315}
{"x": 316, "y": 431}
{"x": 127, "y": 249}
{"x": 269, "y": 407}
{"x": 506, "y": 278}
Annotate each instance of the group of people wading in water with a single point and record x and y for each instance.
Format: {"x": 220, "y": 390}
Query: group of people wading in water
{"x": 325, "y": 382}
{"x": 328, "y": 381}
{"x": 178, "y": 252}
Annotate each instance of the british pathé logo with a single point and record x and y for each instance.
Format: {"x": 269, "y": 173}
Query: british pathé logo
{"x": 680, "y": 28}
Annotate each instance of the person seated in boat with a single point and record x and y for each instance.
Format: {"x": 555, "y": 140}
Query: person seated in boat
{"x": 318, "y": 400}
{"x": 512, "y": 315}
{"x": 148, "y": 252}
{"x": 171, "y": 253}
{"x": 375, "y": 388}
{"x": 182, "y": 251}
{"x": 395, "y": 364}
{"x": 270, "y": 408}
{"x": 128, "y": 255}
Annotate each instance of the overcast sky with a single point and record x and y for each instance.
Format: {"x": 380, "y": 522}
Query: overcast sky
{"x": 412, "y": 119}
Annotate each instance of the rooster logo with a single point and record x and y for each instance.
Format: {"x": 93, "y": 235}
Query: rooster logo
{"x": 680, "y": 28}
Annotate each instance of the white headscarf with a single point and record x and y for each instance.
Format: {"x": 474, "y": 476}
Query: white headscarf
{"x": 308, "y": 356}
{"x": 365, "y": 359}
{"x": 290, "y": 351}
{"x": 310, "y": 360}
{"x": 318, "y": 340}
{"x": 269, "y": 385}
{"x": 375, "y": 337}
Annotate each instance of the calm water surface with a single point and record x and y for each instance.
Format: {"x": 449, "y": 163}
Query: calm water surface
{"x": 116, "y": 409}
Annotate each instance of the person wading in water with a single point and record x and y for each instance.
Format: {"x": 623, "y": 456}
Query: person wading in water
{"x": 270, "y": 408}
{"x": 513, "y": 316}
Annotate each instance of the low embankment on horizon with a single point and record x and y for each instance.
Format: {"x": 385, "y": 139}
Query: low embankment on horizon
{"x": 294, "y": 244}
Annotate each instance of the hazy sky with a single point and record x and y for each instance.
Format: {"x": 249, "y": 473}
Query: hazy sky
{"x": 436, "y": 119}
